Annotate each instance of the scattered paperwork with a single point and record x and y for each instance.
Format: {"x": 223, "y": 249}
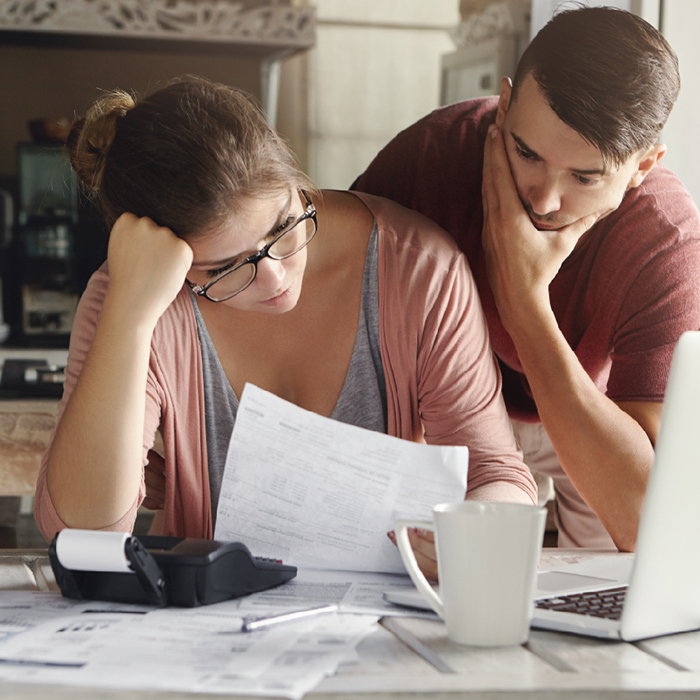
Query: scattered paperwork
{"x": 320, "y": 495}
{"x": 50, "y": 640}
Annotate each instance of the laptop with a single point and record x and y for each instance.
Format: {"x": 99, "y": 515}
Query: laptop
{"x": 655, "y": 592}
{"x": 662, "y": 595}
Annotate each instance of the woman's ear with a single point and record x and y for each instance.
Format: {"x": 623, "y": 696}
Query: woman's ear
{"x": 646, "y": 163}
{"x": 503, "y": 101}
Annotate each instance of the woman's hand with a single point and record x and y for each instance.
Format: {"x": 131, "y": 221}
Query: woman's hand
{"x": 154, "y": 475}
{"x": 423, "y": 545}
{"x": 148, "y": 265}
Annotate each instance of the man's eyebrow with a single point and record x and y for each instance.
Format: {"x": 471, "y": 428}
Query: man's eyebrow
{"x": 524, "y": 146}
{"x": 593, "y": 171}
{"x": 281, "y": 216}
{"x": 577, "y": 171}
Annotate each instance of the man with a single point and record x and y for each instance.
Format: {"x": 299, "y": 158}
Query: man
{"x": 586, "y": 251}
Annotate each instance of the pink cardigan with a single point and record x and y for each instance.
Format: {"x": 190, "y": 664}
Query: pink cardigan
{"x": 442, "y": 381}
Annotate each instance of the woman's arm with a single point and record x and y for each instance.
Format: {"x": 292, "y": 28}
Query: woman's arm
{"x": 94, "y": 465}
{"x": 459, "y": 393}
{"x": 435, "y": 339}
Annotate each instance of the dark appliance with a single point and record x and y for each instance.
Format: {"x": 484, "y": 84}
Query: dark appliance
{"x": 185, "y": 572}
{"x": 45, "y": 233}
{"x": 6, "y": 222}
{"x": 57, "y": 243}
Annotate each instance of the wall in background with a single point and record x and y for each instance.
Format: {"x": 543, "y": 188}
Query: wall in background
{"x": 374, "y": 71}
{"x": 49, "y": 82}
{"x": 680, "y": 23}
{"x": 542, "y": 10}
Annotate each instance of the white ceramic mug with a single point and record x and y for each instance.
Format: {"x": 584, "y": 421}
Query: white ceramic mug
{"x": 487, "y": 564}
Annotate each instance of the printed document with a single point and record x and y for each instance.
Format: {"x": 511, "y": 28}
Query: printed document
{"x": 320, "y": 493}
{"x": 51, "y": 640}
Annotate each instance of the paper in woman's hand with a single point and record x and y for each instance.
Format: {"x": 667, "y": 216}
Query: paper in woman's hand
{"x": 320, "y": 493}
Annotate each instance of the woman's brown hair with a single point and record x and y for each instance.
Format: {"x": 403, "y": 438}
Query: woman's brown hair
{"x": 185, "y": 156}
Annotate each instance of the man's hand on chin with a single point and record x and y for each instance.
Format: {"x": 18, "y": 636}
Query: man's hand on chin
{"x": 521, "y": 259}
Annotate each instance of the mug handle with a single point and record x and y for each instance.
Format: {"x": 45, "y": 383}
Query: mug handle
{"x": 409, "y": 561}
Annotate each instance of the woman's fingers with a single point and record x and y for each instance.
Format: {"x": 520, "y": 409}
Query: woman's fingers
{"x": 423, "y": 545}
{"x": 154, "y": 476}
{"x": 148, "y": 265}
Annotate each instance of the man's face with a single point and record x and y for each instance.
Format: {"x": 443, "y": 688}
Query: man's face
{"x": 560, "y": 178}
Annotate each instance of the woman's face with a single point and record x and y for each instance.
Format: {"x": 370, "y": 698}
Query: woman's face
{"x": 277, "y": 285}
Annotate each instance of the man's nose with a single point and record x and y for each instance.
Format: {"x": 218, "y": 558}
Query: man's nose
{"x": 545, "y": 197}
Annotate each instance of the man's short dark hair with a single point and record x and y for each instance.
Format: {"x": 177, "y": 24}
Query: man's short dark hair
{"x": 607, "y": 74}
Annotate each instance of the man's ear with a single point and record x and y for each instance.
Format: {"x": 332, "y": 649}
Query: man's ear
{"x": 503, "y": 100}
{"x": 646, "y": 163}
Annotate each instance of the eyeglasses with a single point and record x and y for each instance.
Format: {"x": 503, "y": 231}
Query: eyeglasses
{"x": 241, "y": 276}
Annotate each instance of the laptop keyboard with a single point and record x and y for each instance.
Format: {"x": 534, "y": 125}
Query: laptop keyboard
{"x": 607, "y": 603}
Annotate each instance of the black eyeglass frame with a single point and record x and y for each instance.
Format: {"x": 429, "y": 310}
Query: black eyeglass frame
{"x": 309, "y": 213}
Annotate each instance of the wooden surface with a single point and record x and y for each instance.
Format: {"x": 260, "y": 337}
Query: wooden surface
{"x": 550, "y": 666}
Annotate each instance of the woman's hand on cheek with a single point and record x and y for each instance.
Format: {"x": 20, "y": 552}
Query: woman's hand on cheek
{"x": 423, "y": 545}
{"x": 148, "y": 265}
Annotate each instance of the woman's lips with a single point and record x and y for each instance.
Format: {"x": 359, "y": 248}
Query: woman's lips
{"x": 280, "y": 298}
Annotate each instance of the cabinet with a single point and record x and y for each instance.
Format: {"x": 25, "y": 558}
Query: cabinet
{"x": 491, "y": 43}
{"x": 266, "y": 30}
{"x": 477, "y": 71}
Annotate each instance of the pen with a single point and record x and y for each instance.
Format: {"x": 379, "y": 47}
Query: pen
{"x": 250, "y": 624}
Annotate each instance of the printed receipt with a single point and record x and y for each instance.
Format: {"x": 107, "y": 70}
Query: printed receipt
{"x": 323, "y": 494}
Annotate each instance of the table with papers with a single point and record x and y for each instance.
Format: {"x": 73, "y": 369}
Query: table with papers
{"x": 397, "y": 657}
{"x": 322, "y": 496}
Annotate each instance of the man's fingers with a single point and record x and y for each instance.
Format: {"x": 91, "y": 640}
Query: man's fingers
{"x": 570, "y": 235}
{"x": 495, "y": 151}
{"x": 498, "y": 191}
{"x": 488, "y": 190}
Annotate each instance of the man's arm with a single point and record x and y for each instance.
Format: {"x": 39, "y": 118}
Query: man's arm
{"x": 604, "y": 448}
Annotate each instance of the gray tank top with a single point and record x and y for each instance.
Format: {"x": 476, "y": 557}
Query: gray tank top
{"x": 362, "y": 400}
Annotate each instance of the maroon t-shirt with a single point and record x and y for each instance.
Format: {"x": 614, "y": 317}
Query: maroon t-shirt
{"x": 621, "y": 300}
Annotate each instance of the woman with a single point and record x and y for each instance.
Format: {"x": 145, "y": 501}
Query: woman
{"x": 226, "y": 266}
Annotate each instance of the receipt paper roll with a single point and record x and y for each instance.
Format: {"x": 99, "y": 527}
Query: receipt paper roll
{"x": 92, "y": 550}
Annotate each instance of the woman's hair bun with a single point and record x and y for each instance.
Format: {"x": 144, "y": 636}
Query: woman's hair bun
{"x": 91, "y": 137}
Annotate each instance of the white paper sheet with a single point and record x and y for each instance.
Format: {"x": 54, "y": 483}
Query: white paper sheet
{"x": 320, "y": 493}
{"x": 50, "y": 639}
{"x": 105, "y": 645}
{"x": 351, "y": 591}
{"x": 23, "y": 610}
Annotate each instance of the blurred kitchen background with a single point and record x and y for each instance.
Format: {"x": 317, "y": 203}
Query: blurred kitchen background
{"x": 338, "y": 79}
